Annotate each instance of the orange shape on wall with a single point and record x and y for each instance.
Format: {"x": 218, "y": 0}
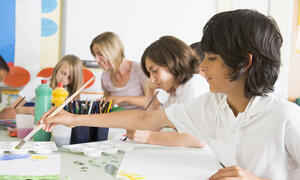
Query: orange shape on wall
{"x": 17, "y": 77}
{"x": 87, "y": 75}
{"x": 46, "y": 72}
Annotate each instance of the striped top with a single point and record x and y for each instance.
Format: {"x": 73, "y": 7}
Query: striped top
{"x": 134, "y": 86}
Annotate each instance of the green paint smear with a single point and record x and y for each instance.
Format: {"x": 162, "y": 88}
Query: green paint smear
{"x": 114, "y": 161}
{"x": 94, "y": 163}
{"x": 78, "y": 163}
{"x": 19, "y": 177}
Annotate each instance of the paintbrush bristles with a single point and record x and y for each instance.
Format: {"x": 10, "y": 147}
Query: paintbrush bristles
{"x": 20, "y": 144}
{"x": 53, "y": 114}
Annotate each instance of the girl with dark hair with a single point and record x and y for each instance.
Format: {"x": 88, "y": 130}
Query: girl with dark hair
{"x": 254, "y": 133}
{"x": 171, "y": 66}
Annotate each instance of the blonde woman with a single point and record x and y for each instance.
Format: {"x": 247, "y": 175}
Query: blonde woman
{"x": 68, "y": 71}
{"x": 122, "y": 80}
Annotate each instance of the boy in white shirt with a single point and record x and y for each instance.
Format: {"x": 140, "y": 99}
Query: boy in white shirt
{"x": 254, "y": 133}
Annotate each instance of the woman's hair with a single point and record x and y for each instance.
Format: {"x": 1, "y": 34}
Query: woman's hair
{"x": 3, "y": 64}
{"x": 179, "y": 58}
{"x": 111, "y": 48}
{"x": 76, "y": 73}
{"x": 235, "y": 35}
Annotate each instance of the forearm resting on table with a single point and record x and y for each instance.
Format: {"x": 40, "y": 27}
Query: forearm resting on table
{"x": 132, "y": 119}
{"x": 174, "y": 139}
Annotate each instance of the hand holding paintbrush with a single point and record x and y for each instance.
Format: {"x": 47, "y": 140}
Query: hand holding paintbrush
{"x": 53, "y": 112}
{"x": 145, "y": 109}
{"x": 10, "y": 112}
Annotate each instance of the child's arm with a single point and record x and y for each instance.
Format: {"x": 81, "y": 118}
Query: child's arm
{"x": 22, "y": 109}
{"x": 151, "y": 120}
{"x": 165, "y": 138}
{"x": 8, "y": 113}
{"x": 25, "y": 110}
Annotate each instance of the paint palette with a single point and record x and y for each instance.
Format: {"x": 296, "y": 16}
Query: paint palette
{"x": 29, "y": 146}
{"x": 92, "y": 148}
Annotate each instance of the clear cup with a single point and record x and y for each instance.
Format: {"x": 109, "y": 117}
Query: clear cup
{"x": 61, "y": 135}
{"x": 24, "y": 123}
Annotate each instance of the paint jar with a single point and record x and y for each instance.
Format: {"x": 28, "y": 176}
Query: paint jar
{"x": 61, "y": 133}
{"x": 42, "y": 105}
{"x": 24, "y": 123}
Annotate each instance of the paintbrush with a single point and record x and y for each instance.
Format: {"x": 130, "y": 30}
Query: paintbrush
{"x": 19, "y": 103}
{"x": 151, "y": 101}
{"x": 222, "y": 164}
{"x": 145, "y": 109}
{"x": 36, "y": 129}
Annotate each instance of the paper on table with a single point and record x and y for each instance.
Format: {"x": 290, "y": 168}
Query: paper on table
{"x": 168, "y": 164}
{"x": 29, "y": 165}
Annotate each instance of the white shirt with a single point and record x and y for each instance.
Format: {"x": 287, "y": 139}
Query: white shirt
{"x": 194, "y": 87}
{"x": 29, "y": 90}
{"x": 267, "y": 134}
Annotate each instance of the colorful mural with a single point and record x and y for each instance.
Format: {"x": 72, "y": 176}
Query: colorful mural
{"x": 7, "y": 30}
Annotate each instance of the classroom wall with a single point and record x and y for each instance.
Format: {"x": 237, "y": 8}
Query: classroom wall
{"x": 294, "y": 76}
{"x": 51, "y": 33}
{"x": 140, "y": 22}
{"x": 28, "y": 30}
{"x": 137, "y": 22}
{"x": 37, "y": 34}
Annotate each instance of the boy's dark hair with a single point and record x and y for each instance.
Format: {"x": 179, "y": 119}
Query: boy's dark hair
{"x": 234, "y": 35}
{"x": 179, "y": 58}
{"x": 197, "y": 47}
{"x": 3, "y": 64}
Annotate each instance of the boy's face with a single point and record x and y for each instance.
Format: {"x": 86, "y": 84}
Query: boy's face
{"x": 218, "y": 75}
{"x": 160, "y": 76}
{"x": 3, "y": 74}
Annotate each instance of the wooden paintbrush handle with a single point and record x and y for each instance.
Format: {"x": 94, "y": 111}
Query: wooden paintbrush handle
{"x": 58, "y": 109}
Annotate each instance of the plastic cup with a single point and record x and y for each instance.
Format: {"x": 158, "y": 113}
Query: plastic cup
{"x": 61, "y": 135}
{"x": 24, "y": 123}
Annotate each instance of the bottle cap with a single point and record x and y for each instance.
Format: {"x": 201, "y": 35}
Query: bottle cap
{"x": 44, "y": 81}
{"x": 60, "y": 84}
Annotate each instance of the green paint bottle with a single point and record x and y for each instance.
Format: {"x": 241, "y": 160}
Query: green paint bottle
{"x": 42, "y": 104}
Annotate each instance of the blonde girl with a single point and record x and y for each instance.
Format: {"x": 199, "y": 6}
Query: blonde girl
{"x": 68, "y": 71}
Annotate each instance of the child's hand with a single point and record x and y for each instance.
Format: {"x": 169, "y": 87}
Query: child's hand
{"x": 8, "y": 113}
{"x": 139, "y": 136}
{"x": 234, "y": 172}
{"x": 63, "y": 117}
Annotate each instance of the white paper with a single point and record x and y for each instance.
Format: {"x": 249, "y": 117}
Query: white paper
{"x": 168, "y": 164}
{"x": 33, "y": 165}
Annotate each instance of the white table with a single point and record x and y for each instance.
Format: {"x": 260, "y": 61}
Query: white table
{"x": 152, "y": 162}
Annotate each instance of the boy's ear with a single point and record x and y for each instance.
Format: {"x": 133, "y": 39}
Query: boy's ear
{"x": 249, "y": 63}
